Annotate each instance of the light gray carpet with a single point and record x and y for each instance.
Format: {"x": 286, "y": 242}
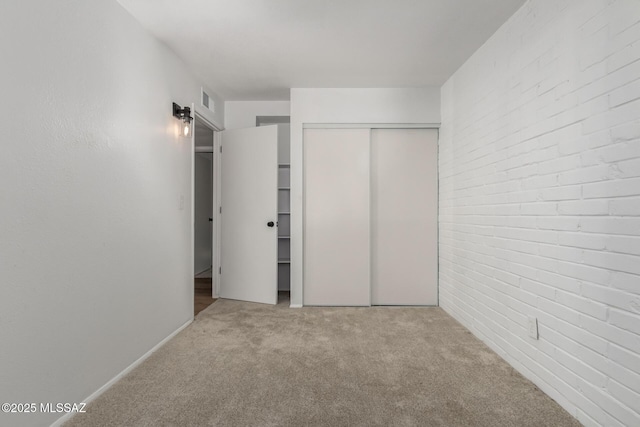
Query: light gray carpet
{"x": 243, "y": 364}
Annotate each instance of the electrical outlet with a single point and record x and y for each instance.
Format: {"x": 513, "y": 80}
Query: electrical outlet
{"x": 533, "y": 327}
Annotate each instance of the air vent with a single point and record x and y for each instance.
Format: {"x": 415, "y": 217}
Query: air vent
{"x": 207, "y": 102}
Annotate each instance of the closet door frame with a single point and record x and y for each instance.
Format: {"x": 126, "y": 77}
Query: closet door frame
{"x": 370, "y": 127}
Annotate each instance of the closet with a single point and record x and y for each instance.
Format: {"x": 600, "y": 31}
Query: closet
{"x": 370, "y": 217}
{"x": 284, "y": 208}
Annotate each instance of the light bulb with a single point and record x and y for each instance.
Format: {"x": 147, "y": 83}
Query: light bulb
{"x": 186, "y": 129}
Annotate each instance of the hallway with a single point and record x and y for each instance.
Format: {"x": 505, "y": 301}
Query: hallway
{"x": 202, "y": 294}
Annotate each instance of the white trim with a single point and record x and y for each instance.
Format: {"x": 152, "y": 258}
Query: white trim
{"x": 438, "y": 218}
{"x": 192, "y": 249}
{"x": 370, "y": 125}
{"x": 204, "y": 149}
{"x": 215, "y": 164}
{"x": 303, "y": 220}
{"x": 217, "y": 194}
{"x": 60, "y": 421}
{"x": 200, "y": 272}
{"x": 208, "y": 122}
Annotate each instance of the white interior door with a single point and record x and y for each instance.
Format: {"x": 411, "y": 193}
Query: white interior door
{"x": 249, "y": 191}
{"x": 336, "y": 217}
{"x": 404, "y": 217}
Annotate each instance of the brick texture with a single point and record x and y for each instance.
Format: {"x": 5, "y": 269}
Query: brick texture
{"x": 540, "y": 201}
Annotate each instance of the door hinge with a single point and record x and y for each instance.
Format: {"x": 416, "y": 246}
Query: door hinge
{"x": 221, "y": 148}
{"x": 219, "y": 270}
{"x": 220, "y": 209}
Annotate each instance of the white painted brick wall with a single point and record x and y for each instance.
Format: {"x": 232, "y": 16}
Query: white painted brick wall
{"x": 540, "y": 201}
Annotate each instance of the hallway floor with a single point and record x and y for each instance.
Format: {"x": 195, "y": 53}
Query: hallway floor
{"x": 202, "y": 295}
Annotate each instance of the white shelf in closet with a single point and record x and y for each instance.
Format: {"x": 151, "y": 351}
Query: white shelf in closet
{"x": 284, "y": 213}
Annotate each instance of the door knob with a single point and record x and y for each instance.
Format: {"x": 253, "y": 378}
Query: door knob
{"x": 270, "y": 224}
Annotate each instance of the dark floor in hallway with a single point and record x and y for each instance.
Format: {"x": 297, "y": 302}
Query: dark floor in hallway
{"x": 202, "y": 295}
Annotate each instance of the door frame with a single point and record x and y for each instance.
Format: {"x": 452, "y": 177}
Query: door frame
{"x": 215, "y": 229}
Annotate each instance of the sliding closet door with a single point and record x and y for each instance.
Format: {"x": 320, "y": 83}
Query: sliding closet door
{"x": 336, "y": 217}
{"x": 404, "y": 215}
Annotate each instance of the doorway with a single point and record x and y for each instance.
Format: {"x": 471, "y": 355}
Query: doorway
{"x": 204, "y": 218}
{"x": 284, "y": 204}
{"x": 252, "y": 212}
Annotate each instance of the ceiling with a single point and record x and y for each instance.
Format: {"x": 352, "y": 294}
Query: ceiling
{"x": 259, "y": 49}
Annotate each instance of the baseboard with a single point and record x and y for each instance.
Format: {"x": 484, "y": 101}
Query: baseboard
{"x": 128, "y": 369}
{"x": 200, "y": 286}
{"x": 202, "y": 275}
{"x": 295, "y": 305}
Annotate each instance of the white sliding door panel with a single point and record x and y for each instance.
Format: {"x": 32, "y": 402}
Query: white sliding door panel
{"x": 336, "y": 217}
{"x": 404, "y": 215}
{"x": 249, "y": 213}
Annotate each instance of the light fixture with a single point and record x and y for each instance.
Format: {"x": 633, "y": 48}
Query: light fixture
{"x": 183, "y": 114}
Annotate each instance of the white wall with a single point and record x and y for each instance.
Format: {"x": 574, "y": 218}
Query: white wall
{"x": 203, "y": 235}
{"x": 340, "y": 106}
{"x": 95, "y": 251}
{"x": 242, "y": 114}
{"x": 540, "y": 201}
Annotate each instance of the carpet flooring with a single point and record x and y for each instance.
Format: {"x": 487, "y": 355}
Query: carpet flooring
{"x": 244, "y": 364}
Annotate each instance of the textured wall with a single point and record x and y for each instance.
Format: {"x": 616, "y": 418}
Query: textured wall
{"x": 540, "y": 201}
{"x": 95, "y": 250}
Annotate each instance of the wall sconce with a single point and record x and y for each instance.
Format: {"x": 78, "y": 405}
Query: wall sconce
{"x": 183, "y": 114}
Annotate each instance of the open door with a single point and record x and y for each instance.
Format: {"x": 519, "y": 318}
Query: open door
{"x": 249, "y": 201}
